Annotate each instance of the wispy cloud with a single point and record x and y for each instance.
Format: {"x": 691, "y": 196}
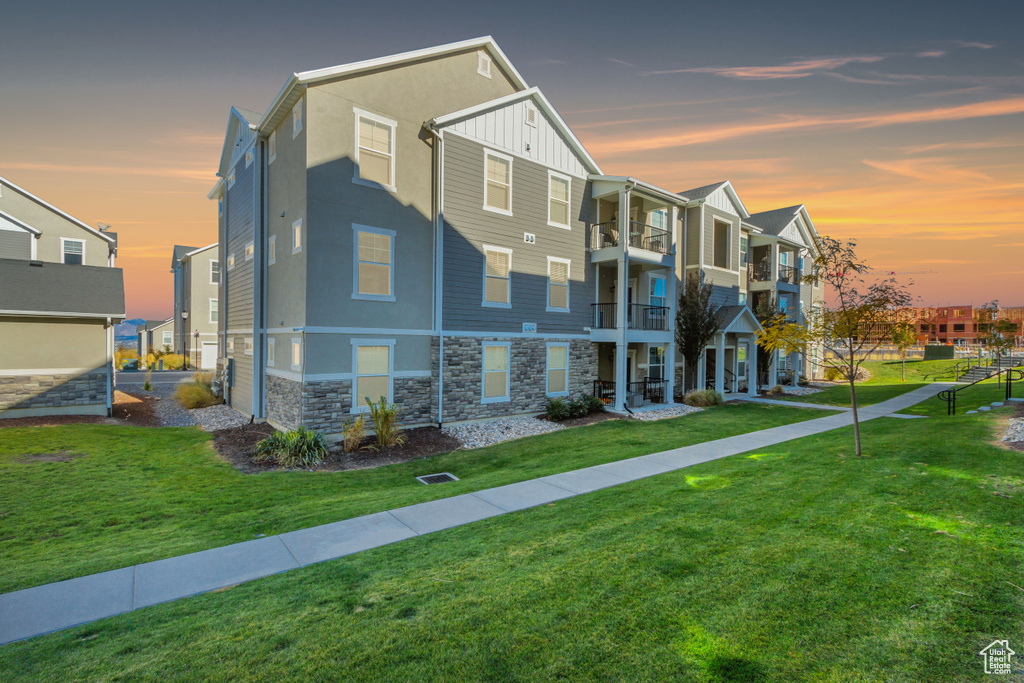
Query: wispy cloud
{"x": 932, "y": 54}
{"x": 976, "y": 45}
{"x": 931, "y": 169}
{"x": 198, "y": 174}
{"x": 619, "y": 61}
{"x": 797, "y": 69}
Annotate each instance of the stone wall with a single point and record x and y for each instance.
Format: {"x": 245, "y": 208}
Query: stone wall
{"x": 326, "y": 405}
{"x": 416, "y": 398}
{"x": 284, "y": 399}
{"x": 463, "y": 375}
{"x": 53, "y": 391}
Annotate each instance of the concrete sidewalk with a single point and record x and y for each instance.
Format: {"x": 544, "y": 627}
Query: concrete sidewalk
{"x": 52, "y": 607}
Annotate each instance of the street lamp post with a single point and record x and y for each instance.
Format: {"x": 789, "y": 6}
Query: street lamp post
{"x": 196, "y": 335}
{"x": 184, "y": 338}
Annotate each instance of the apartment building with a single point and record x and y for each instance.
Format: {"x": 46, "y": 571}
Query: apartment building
{"x": 155, "y": 335}
{"x": 427, "y": 229}
{"x": 60, "y": 297}
{"x": 196, "y": 304}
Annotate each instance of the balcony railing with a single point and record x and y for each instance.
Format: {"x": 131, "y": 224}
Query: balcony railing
{"x": 759, "y": 272}
{"x": 604, "y": 390}
{"x": 638, "y": 317}
{"x": 789, "y": 274}
{"x": 604, "y": 235}
{"x": 647, "y": 390}
{"x": 641, "y": 236}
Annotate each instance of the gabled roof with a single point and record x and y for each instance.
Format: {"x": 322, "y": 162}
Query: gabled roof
{"x": 51, "y": 207}
{"x": 179, "y": 253}
{"x": 598, "y": 191}
{"x": 152, "y": 324}
{"x": 729, "y": 316}
{"x": 198, "y": 251}
{"x": 699, "y": 193}
{"x": 237, "y": 117}
{"x": 775, "y": 221}
{"x": 542, "y": 103}
{"x": 704, "y": 191}
{"x": 35, "y": 288}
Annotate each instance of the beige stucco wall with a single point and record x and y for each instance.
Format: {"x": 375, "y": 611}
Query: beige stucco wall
{"x": 53, "y": 226}
{"x": 51, "y": 343}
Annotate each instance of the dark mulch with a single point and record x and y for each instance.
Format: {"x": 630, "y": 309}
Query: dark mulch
{"x": 593, "y": 418}
{"x": 127, "y": 409}
{"x": 237, "y": 445}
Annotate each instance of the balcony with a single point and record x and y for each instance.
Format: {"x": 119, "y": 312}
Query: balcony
{"x": 789, "y": 274}
{"x": 641, "y": 236}
{"x": 638, "y": 317}
{"x": 759, "y": 272}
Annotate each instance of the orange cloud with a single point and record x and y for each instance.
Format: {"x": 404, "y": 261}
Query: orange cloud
{"x": 798, "y": 69}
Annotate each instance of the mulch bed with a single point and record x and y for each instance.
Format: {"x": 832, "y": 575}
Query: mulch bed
{"x": 127, "y": 409}
{"x": 236, "y": 447}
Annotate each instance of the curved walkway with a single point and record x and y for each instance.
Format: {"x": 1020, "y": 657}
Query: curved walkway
{"x": 56, "y": 606}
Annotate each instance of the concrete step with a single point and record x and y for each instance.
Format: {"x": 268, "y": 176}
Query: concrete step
{"x": 985, "y": 409}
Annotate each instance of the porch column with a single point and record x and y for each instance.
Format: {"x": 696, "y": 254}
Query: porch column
{"x": 621, "y": 300}
{"x": 720, "y": 363}
{"x": 775, "y": 265}
{"x": 752, "y": 366}
{"x": 670, "y": 294}
{"x": 735, "y": 388}
{"x": 670, "y": 372}
{"x": 773, "y": 370}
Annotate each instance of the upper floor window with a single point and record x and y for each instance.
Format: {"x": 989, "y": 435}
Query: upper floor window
{"x": 375, "y": 150}
{"x": 558, "y": 284}
{"x": 249, "y": 156}
{"x": 744, "y": 250}
{"x": 498, "y": 183}
{"x": 558, "y": 200}
{"x": 213, "y": 310}
{"x": 721, "y": 249}
{"x": 296, "y": 353}
{"x": 272, "y": 147}
{"x": 497, "y": 277}
{"x": 250, "y": 250}
{"x": 659, "y": 292}
{"x": 167, "y": 337}
{"x": 297, "y": 118}
{"x": 659, "y": 219}
{"x": 214, "y": 272}
{"x": 374, "y": 263}
{"x": 272, "y": 250}
{"x": 297, "y": 236}
{"x": 231, "y": 262}
{"x": 231, "y": 180}
{"x": 73, "y": 251}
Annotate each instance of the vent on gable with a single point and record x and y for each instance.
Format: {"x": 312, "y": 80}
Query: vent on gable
{"x": 483, "y": 64}
{"x": 441, "y": 478}
{"x": 531, "y": 115}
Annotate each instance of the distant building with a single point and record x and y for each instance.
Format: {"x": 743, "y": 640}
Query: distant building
{"x": 196, "y": 304}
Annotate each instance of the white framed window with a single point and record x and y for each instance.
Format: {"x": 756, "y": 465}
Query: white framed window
{"x": 297, "y": 118}
{"x": 375, "y": 150}
{"x": 658, "y": 294}
{"x": 250, "y": 250}
{"x": 249, "y": 156}
{"x": 214, "y": 272}
{"x": 558, "y": 284}
{"x": 297, "y": 236}
{"x": 656, "y": 362}
{"x": 497, "y": 277}
{"x": 272, "y": 250}
{"x": 213, "y": 310}
{"x": 497, "y": 183}
{"x": 659, "y": 219}
{"x": 247, "y": 346}
{"x": 722, "y": 236}
{"x": 167, "y": 337}
{"x": 272, "y": 148}
{"x": 483, "y": 64}
{"x": 270, "y": 352}
{"x": 741, "y": 360}
{"x": 231, "y": 345}
{"x": 231, "y": 180}
{"x": 373, "y": 267}
{"x": 72, "y": 251}
{"x": 494, "y": 383}
{"x": 296, "y": 353}
{"x": 558, "y": 369}
{"x": 559, "y": 191}
{"x": 744, "y": 250}
{"x": 372, "y": 361}
{"x": 231, "y": 262}
{"x": 743, "y": 298}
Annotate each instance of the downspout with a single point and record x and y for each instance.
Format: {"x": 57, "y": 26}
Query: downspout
{"x": 438, "y": 322}
{"x": 110, "y": 365}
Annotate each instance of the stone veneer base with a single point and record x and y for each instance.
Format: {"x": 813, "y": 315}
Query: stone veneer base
{"x": 53, "y": 394}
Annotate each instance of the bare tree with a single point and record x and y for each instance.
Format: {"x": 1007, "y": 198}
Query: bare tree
{"x": 696, "y": 324}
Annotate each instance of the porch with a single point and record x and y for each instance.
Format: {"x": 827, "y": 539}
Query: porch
{"x": 648, "y": 373}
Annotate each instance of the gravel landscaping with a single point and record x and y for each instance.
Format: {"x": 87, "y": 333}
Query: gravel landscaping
{"x": 480, "y": 434}
{"x": 1015, "y": 430}
{"x": 802, "y": 391}
{"x": 674, "y": 410}
{"x": 170, "y": 413}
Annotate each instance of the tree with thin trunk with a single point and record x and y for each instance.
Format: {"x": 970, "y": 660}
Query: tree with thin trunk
{"x": 854, "y": 328}
{"x": 998, "y": 334}
{"x": 904, "y": 336}
{"x": 696, "y": 324}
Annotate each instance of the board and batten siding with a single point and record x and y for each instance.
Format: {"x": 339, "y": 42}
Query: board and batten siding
{"x": 468, "y": 227}
{"x": 241, "y": 214}
{"x": 15, "y": 244}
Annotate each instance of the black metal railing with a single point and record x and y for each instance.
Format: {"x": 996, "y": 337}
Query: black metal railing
{"x": 643, "y": 236}
{"x": 604, "y": 390}
{"x": 759, "y": 272}
{"x": 950, "y": 395}
{"x": 644, "y": 317}
{"x": 604, "y": 316}
{"x": 604, "y": 235}
{"x": 644, "y": 390}
{"x": 789, "y": 274}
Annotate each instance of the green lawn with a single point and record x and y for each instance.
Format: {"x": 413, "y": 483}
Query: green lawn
{"x": 797, "y": 563}
{"x": 885, "y": 383}
{"x": 968, "y": 398}
{"x": 142, "y": 494}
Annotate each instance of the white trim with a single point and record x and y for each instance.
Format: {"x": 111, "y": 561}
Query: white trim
{"x": 57, "y": 211}
{"x": 497, "y": 304}
{"x": 241, "y": 332}
{"x": 512, "y": 335}
{"x": 250, "y": 250}
{"x": 272, "y": 250}
{"x": 59, "y": 314}
{"x": 390, "y": 234}
{"x": 508, "y": 372}
{"x": 24, "y": 372}
{"x": 21, "y": 226}
{"x": 547, "y": 368}
{"x": 568, "y": 280}
{"x": 356, "y": 345}
{"x": 568, "y": 202}
{"x": 297, "y": 224}
{"x": 271, "y": 352}
{"x": 498, "y": 155}
{"x": 517, "y": 155}
{"x": 483, "y": 64}
{"x": 296, "y": 115}
{"x": 362, "y": 113}
{"x": 351, "y": 330}
{"x": 296, "y": 341}
{"x": 63, "y": 241}
{"x": 272, "y": 146}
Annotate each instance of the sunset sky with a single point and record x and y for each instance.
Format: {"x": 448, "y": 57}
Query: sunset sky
{"x": 898, "y": 124}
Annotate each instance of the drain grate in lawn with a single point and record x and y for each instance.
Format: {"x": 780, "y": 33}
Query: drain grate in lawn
{"x": 441, "y": 478}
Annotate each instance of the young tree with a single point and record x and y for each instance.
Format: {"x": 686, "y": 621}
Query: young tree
{"x": 904, "y": 336}
{"x": 696, "y": 324}
{"x": 766, "y": 309}
{"x": 851, "y": 330}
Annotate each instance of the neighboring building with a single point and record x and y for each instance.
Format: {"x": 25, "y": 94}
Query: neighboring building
{"x": 426, "y": 228}
{"x": 60, "y": 297}
{"x": 196, "y": 296}
{"x": 155, "y": 334}
{"x": 961, "y": 324}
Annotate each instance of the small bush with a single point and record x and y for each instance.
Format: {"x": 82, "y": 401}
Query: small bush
{"x": 594, "y": 404}
{"x": 833, "y": 374}
{"x": 777, "y": 390}
{"x": 352, "y": 435}
{"x": 147, "y": 386}
{"x": 300, "y": 447}
{"x": 802, "y": 381}
{"x": 194, "y": 395}
{"x": 385, "y": 423}
{"x": 578, "y": 407}
{"x": 557, "y": 410}
{"x": 702, "y": 398}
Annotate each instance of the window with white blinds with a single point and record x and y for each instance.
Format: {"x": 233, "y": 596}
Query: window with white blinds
{"x": 373, "y": 375}
{"x": 497, "y": 277}
{"x": 558, "y": 370}
{"x": 374, "y": 263}
{"x": 495, "y": 372}
{"x": 213, "y": 310}
{"x": 558, "y": 284}
{"x": 73, "y": 251}
{"x": 375, "y": 151}
{"x": 498, "y": 183}
{"x": 558, "y": 200}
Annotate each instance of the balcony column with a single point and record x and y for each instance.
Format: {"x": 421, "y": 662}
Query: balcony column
{"x": 735, "y": 388}
{"x": 670, "y": 295}
{"x": 720, "y": 363}
{"x": 775, "y": 263}
{"x": 622, "y": 300}
{"x": 752, "y": 366}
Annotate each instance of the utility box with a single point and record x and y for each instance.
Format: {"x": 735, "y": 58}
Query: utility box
{"x": 939, "y": 352}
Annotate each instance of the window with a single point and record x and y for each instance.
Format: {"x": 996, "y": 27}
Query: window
{"x": 942, "y": 328}
{"x": 743, "y": 298}
{"x": 497, "y": 277}
{"x": 659, "y": 291}
{"x": 659, "y": 219}
{"x": 656, "y": 363}
{"x": 558, "y": 284}
{"x": 942, "y": 313}
{"x": 231, "y": 262}
{"x": 231, "y": 180}
{"x": 270, "y": 352}
{"x": 374, "y": 264}
{"x": 498, "y": 183}
{"x": 248, "y": 158}
{"x": 297, "y": 236}
{"x": 741, "y": 361}
{"x": 214, "y": 272}
{"x": 375, "y": 151}
{"x": 296, "y": 353}
{"x": 213, "y": 310}
{"x": 272, "y": 250}
{"x": 558, "y": 370}
{"x": 958, "y": 312}
{"x": 558, "y": 200}
{"x": 744, "y": 250}
{"x": 272, "y": 147}
{"x": 297, "y": 119}
{"x": 373, "y": 374}
{"x": 231, "y": 345}
{"x": 495, "y": 374}
{"x": 483, "y": 64}
{"x": 73, "y": 251}
{"x": 167, "y": 337}
{"x": 958, "y": 327}
{"x": 247, "y": 346}
{"x": 250, "y": 249}
{"x": 721, "y": 254}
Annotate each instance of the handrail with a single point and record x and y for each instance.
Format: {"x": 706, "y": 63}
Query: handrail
{"x": 949, "y": 395}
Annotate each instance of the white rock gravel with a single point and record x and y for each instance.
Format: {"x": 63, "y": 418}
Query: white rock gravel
{"x": 1015, "y": 431}
{"x": 479, "y": 434}
{"x": 218, "y": 417}
{"x": 801, "y": 391}
{"x": 674, "y": 410}
{"x": 172, "y": 414}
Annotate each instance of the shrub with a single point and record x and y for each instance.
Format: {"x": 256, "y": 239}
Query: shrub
{"x": 352, "y": 434}
{"x": 557, "y": 410}
{"x": 594, "y": 404}
{"x": 802, "y": 381}
{"x": 701, "y": 398}
{"x": 777, "y": 390}
{"x": 147, "y": 386}
{"x": 197, "y": 392}
{"x": 833, "y": 374}
{"x": 385, "y": 423}
{"x": 300, "y": 447}
{"x": 579, "y": 407}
